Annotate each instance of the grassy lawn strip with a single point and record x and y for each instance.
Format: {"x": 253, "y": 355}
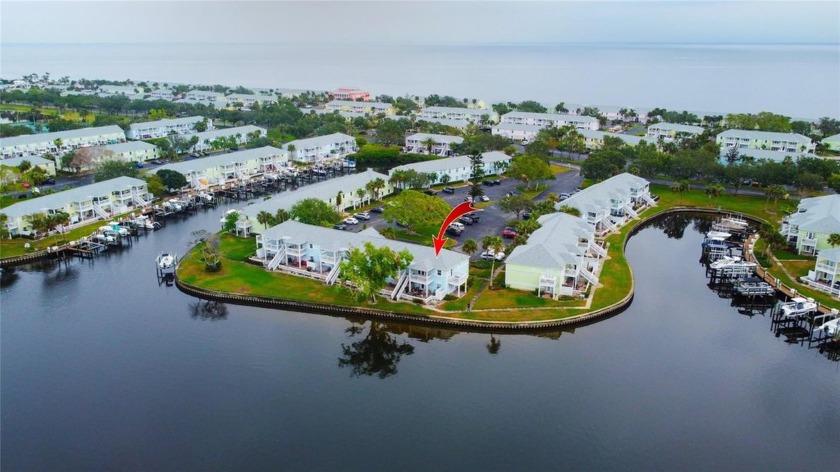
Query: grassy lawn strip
{"x": 510, "y": 298}
{"x": 555, "y": 169}
{"x": 15, "y": 247}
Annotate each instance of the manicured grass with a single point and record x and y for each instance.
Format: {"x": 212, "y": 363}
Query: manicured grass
{"x": 16, "y": 247}
{"x": 555, "y": 169}
{"x": 460, "y": 304}
{"x": 238, "y": 249}
{"x": 510, "y": 298}
{"x": 785, "y": 255}
{"x": 752, "y": 205}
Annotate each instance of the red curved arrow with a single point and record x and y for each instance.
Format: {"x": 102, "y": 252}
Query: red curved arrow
{"x": 462, "y": 209}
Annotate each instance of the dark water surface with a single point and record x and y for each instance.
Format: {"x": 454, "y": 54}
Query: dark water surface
{"x": 102, "y": 369}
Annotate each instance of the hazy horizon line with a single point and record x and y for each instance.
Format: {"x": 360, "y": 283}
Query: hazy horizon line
{"x": 442, "y": 43}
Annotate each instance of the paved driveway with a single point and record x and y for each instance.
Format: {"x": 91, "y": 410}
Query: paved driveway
{"x": 493, "y": 221}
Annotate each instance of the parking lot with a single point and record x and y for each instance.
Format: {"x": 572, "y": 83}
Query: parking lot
{"x": 492, "y": 219}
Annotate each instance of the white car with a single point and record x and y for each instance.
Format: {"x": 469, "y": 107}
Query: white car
{"x": 362, "y": 215}
{"x": 490, "y": 254}
{"x": 351, "y": 221}
{"x": 485, "y": 198}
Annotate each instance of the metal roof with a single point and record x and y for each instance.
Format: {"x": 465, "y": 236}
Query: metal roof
{"x": 69, "y": 134}
{"x": 550, "y": 116}
{"x": 60, "y": 199}
{"x": 627, "y": 138}
{"x": 217, "y": 133}
{"x": 204, "y": 163}
{"x": 351, "y": 103}
{"x": 166, "y": 122}
{"x": 322, "y": 191}
{"x": 129, "y": 146}
{"x": 439, "y": 138}
{"x": 456, "y": 162}
{"x": 555, "y": 243}
{"x": 764, "y": 135}
{"x": 333, "y": 239}
{"x": 818, "y": 215}
{"x": 598, "y": 196}
{"x": 319, "y": 141}
{"x": 16, "y": 161}
{"x": 677, "y": 127}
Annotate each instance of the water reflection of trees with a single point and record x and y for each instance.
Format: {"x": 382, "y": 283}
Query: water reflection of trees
{"x": 376, "y": 353}
{"x": 673, "y": 225}
{"x": 8, "y": 276}
{"x": 208, "y": 310}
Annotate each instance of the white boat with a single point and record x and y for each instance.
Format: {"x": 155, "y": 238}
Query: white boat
{"x": 831, "y": 328}
{"x": 725, "y": 261}
{"x": 798, "y": 307}
{"x": 735, "y": 220}
{"x": 754, "y": 287}
{"x": 718, "y": 235}
{"x": 165, "y": 260}
{"x": 144, "y": 221}
{"x": 115, "y": 227}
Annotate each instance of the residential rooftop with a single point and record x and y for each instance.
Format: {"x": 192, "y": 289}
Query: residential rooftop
{"x": 627, "y": 138}
{"x": 677, "y": 127}
{"x": 166, "y": 122}
{"x": 319, "y": 141}
{"x": 129, "y": 146}
{"x": 554, "y": 244}
{"x": 59, "y": 199}
{"x": 439, "y": 138}
{"x": 219, "y": 160}
{"x": 456, "y": 162}
{"x": 818, "y": 214}
{"x": 550, "y": 116}
{"x": 764, "y": 135}
{"x": 223, "y": 132}
{"x": 68, "y": 134}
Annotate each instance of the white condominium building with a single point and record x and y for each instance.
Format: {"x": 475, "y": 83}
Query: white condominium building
{"x": 165, "y": 127}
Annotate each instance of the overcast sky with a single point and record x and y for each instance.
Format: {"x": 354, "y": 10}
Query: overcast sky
{"x": 420, "y": 22}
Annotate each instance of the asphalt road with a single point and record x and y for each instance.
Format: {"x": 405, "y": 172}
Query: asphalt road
{"x": 493, "y": 220}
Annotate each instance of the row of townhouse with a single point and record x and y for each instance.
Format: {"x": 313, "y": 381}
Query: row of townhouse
{"x": 826, "y": 274}
{"x": 479, "y": 116}
{"x": 671, "y": 132}
{"x": 783, "y": 142}
{"x": 317, "y": 252}
{"x": 459, "y": 124}
{"x": 130, "y": 151}
{"x": 46, "y": 165}
{"x": 516, "y": 132}
{"x": 243, "y": 134}
{"x": 561, "y": 258}
{"x": 101, "y": 200}
{"x": 165, "y": 127}
{"x": 814, "y": 221}
{"x": 458, "y": 168}
{"x": 610, "y": 204}
{"x": 342, "y": 192}
{"x": 248, "y": 100}
{"x": 546, "y": 120}
{"x": 220, "y": 169}
{"x": 433, "y": 144}
{"x": 759, "y": 154}
{"x": 365, "y": 108}
{"x": 59, "y": 142}
{"x": 347, "y": 115}
{"x": 319, "y": 148}
{"x": 595, "y": 139}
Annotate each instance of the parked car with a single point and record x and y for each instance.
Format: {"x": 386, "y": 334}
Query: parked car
{"x": 487, "y": 182}
{"x": 457, "y": 225}
{"x": 509, "y": 232}
{"x": 466, "y": 220}
{"x": 490, "y": 254}
{"x": 497, "y": 182}
{"x": 484, "y": 198}
{"x": 429, "y": 191}
{"x": 468, "y": 198}
{"x": 454, "y": 231}
{"x": 362, "y": 215}
{"x": 564, "y": 196}
{"x": 340, "y": 226}
{"x": 526, "y": 215}
{"x": 351, "y": 221}
{"x": 513, "y": 192}
{"x": 138, "y": 165}
{"x": 448, "y": 190}
{"x": 49, "y": 181}
{"x": 378, "y": 209}
{"x": 475, "y": 217}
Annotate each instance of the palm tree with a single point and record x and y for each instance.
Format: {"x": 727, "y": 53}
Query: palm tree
{"x": 774, "y": 192}
{"x": 281, "y": 215}
{"x": 264, "y": 218}
{"x": 714, "y": 190}
{"x": 680, "y": 187}
{"x": 445, "y": 178}
{"x": 469, "y": 247}
{"x": 378, "y": 186}
{"x": 834, "y": 239}
{"x": 397, "y": 178}
{"x": 497, "y": 245}
{"x": 58, "y": 143}
{"x": 360, "y": 192}
{"x": 429, "y": 143}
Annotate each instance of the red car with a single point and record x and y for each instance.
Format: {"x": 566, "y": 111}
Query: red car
{"x": 509, "y": 232}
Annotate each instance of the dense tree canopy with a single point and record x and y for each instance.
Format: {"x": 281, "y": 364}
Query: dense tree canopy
{"x": 315, "y": 211}
{"x": 368, "y": 269}
{"x": 412, "y": 208}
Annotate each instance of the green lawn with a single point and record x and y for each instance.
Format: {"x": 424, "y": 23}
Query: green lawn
{"x": 16, "y": 247}
{"x": 510, "y": 298}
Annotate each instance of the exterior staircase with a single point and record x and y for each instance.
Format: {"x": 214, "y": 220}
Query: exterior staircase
{"x": 138, "y": 200}
{"x": 398, "y": 288}
{"x": 332, "y": 276}
{"x": 100, "y": 212}
{"x": 589, "y": 276}
{"x": 277, "y": 259}
{"x": 630, "y": 211}
{"x": 597, "y": 250}
{"x": 648, "y": 199}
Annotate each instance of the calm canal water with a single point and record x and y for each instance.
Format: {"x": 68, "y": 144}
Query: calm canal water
{"x": 102, "y": 369}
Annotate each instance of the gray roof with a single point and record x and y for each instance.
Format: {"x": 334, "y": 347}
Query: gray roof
{"x": 555, "y": 244}
{"x": 439, "y": 138}
{"x": 832, "y": 254}
{"x": 166, "y": 122}
{"x": 60, "y": 199}
{"x": 217, "y": 133}
{"x": 818, "y": 214}
{"x": 318, "y": 141}
{"x": 764, "y": 135}
{"x": 466, "y": 111}
{"x": 249, "y": 96}
{"x": 129, "y": 146}
{"x": 204, "y": 163}
{"x": 677, "y": 127}
{"x": 518, "y": 127}
{"x": 833, "y": 138}
{"x": 346, "y": 114}
{"x": 441, "y": 121}
{"x": 456, "y": 162}
{"x": 598, "y": 196}
{"x": 758, "y": 154}
{"x": 322, "y": 191}
{"x": 69, "y": 134}
{"x": 549, "y": 116}
{"x": 627, "y": 138}
{"x": 333, "y": 239}
{"x": 15, "y": 161}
